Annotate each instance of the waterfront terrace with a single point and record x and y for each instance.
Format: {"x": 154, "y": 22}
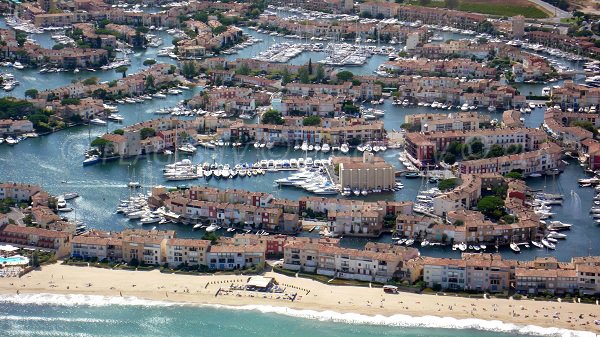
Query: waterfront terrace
{"x": 423, "y": 146}
{"x": 559, "y": 126}
{"x": 254, "y": 209}
{"x": 290, "y": 133}
{"x": 543, "y": 160}
{"x": 572, "y": 95}
{"x": 453, "y": 67}
{"x": 441, "y": 16}
{"x": 447, "y": 122}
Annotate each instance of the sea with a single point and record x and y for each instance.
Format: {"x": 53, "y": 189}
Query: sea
{"x": 91, "y": 315}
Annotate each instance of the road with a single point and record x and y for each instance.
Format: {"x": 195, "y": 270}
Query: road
{"x": 557, "y": 12}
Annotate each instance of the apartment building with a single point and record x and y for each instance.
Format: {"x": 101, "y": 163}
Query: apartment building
{"x": 228, "y": 257}
{"x": 544, "y": 160}
{"x": 189, "y": 252}
{"x": 18, "y": 192}
{"x": 58, "y": 241}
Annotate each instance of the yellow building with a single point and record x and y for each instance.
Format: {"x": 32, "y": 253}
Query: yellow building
{"x": 366, "y": 173}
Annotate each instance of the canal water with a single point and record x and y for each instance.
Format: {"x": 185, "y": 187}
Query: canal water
{"x": 54, "y": 161}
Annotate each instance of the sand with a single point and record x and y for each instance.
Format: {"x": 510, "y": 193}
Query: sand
{"x": 153, "y": 285}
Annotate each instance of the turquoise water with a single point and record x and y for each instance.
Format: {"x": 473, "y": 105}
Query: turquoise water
{"x": 13, "y": 259}
{"x": 101, "y": 316}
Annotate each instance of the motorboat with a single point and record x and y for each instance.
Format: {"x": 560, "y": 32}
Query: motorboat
{"x": 344, "y": 148}
{"x": 91, "y": 160}
{"x": 212, "y": 227}
{"x": 548, "y": 244}
{"x": 98, "y": 121}
{"x": 70, "y": 195}
{"x": 515, "y": 248}
{"x": 537, "y": 244}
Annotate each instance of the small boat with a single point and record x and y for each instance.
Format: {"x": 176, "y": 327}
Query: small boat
{"x": 213, "y": 227}
{"x": 70, "y": 195}
{"x": 344, "y": 148}
{"x": 424, "y": 243}
{"x": 515, "y": 247}
{"x": 548, "y": 244}
{"x": 537, "y": 244}
{"x": 91, "y": 160}
{"x": 97, "y": 121}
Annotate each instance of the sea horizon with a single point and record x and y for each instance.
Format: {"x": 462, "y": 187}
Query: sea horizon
{"x": 23, "y": 314}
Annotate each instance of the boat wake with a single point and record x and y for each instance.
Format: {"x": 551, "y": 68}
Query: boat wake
{"x": 398, "y": 320}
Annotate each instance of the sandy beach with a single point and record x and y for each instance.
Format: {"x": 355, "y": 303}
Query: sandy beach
{"x": 153, "y": 285}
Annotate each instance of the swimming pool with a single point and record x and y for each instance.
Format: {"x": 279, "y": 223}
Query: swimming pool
{"x": 14, "y": 260}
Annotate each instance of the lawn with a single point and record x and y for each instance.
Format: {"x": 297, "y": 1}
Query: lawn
{"x": 495, "y": 7}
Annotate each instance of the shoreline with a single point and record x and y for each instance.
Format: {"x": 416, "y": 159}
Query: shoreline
{"x": 314, "y": 300}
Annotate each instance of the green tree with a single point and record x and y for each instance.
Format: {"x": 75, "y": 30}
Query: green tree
{"x": 449, "y": 158}
{"x": 476, "y": 147}
{"x": 320, "y": 74}
{"x": 149, "y": 84}
{"x": 311, "y": 121}
{"x": 188, "y": 70}
{"x": 491, "y": 206}
{"x": 149, "y": 62}
{"x": 303, "y": 75}
{"x": 344, "y": 76}
{"x": 90, "y": 81}
{"x": 424, "y": 2}
{"x": 32, "y": 93}
{"x": 244, "y": 69}
{"x": 218, "y": 30}
{"x": 285, "y": 76}
{"x": 448, "y": 184}
{"x": 272, "y": 117}
{"x": 101, "y": 144}
{"x": 586, "y": 125}
{"x": 514, "y": 175}
{"x": 213, "y": 237}
{"x": 310, "y": 66}
{"x": 495, "y": 151}
{"x": 119, "y": 132}
{"x": 147, "y": 132}
{"x": 122, "y": 70}
{"x": 58, "y": 46}
{"x": 70, "y": 101}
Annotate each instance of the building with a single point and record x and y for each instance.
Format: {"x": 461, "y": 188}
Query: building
{"x": 367, "y": 173}
{"x": 189, "y": 252}
{"x": 58, "y": 241}
{"x": 518, "y": 26}
{"x": 229, "y": 257}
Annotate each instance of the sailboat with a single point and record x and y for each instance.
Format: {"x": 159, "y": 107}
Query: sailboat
{"x": 133, "y": 183}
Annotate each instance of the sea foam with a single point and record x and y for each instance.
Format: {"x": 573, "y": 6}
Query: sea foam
{"x": 398, "y": 320}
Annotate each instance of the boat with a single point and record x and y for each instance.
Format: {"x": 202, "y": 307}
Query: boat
{"x": 424, "y": 243}
{"x": 515, "y": 248}
{"x": 537, "y": 244}
{"x": 150, "y": 219}
{"x": 344, "y": 148}
{"x": 462, "y": 246}
{"x": 197, "y": 226}
{"x": 70, "y": 195}
{"x": 213, "y": 227}
{"x": 187, "y": 148}
{"x": 548, "y": 244}
{"x": 97, "y": 121}
{"x": 91, "y": 160}
{"x": 556, "y": 235}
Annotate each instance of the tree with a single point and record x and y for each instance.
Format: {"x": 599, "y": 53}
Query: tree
{"x": 514, "y": 175}
{"x": 244, "y": 69}
{"x": 449, "y": 158}
{"x": 303, "y": 75}
{"x": 285, "y": 76}
{"x": 491, "y": 206}
{"x": 149, "y": 62}
{"x": 344, "y": 76}
{"x": 514, "y": 149}
{"x": 218, "y": 30}
{"x": 58, "y": 46}
{"x": 122, "y": 70}
{"x": 476, "y": 147}
{"x": 90, "y": 81}
{"x": 147, "y": 132}
{"x": 320, "y": 75}
{"x": 149, "y": 84}
{"x": 495, "y": 151}
{"x": 31, "y": 93}
{"x": 70, "y": 101}
{"x": 310, "y": 67}
{"x": 119, "y": 132}
{"x": 188, "y": 70}
{"x": 586, "y": 125}
{"x": 424, "y": 2}
{"x": 452, "y": 4}
{"x": 272, "y": 117}
{"x": 213, "y": 237}
{"x": 448, "y": 184}
{"x": 311, "y": 120}
{"x": 101, "y": 144}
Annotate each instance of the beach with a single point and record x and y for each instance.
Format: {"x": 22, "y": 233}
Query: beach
{"x": 309, "y": 295}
